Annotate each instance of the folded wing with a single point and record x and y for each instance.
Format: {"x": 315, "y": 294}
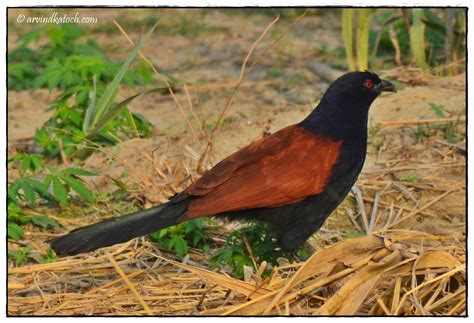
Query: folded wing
{"x": 277, "y": 170}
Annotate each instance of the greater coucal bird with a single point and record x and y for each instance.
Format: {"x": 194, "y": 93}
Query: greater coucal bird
{"x": 292, "y": 180}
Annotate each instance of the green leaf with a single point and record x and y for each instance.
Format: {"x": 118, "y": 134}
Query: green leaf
{"x": 162, "y": 233}
{"x": 78, "y": 172}
{"x": 49, "y": 257}
{"x": 31, "y": 36}
{"x": 417, "y": 39}
{"x": 44, "y": 222}
{"x": 13, "y": 191}
{"x": 347, "y": 14}
{"x": 154, "y": 236}
{"x": 106, "y": 100}
{"x": 437, "y": 109}
{"x": 20, "y": 256}
{"x": 410, "y": 178}
{"x": 363, "y": 31}
{"x": 15, "y": 232}
{"x": 13, "y": 208}
{"x": 29, "y": 191}
{"x": 40, "y": 188}
{"x": 79, "y": 187}
{"x": 114, "y": 110}
{"x": 59, "y": 191}
{"x": 88, "y": 119}
{"x": 197, "y": 237}
{"x": 179, "y": 245}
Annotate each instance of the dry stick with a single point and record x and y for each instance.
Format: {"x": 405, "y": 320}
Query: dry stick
{"x": 163, "y": 78}
{"x": 241, "y": 79}
{"x": 396, "y": 295}
{"x": 396, "y": 206}
{"x": 459, "y": 148}
{"x": 249, "y": 249}
{"x": 324, "y": 281}
{"x": 43, "y": 297}
{"x": 360, "y": 202}
{"x": 95, "y": 290}
{"x": 403, "y": 168}
{"x": 438, "y": 290}
{"x": 427, "y": 205}
{"x": 383, "y": 306}
{"x": 373, "y": 215}
{"x": 253, "y": 301}
{"x": 395, "y": 44}
{"x": 405, "y": 191}
{"x": 350, "y": 215}
{"x": 448, "y": 297}
{"x": 220, "y": 86}
{"x": 61, "y": 151}
{"x": 190, "y": 102}
{"x": 130, "y": 285}
{"x": 203, "y": 296}
{"x": 318, "y": 283}
{"x": 390, "y": 216}
{"x": 447, "y": 274}
{"x": 427, "y": 121}
{"x": 455, "y": 308}
{"x": 230, "y": 98}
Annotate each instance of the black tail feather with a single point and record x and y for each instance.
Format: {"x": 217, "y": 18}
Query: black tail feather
{"x": 118, "y": 229}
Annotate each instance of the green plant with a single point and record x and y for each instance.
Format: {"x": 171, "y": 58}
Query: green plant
{"x": 27, "y": 162}
{"x": 274, "y": 73}
{"x": 236, "y": 254}
{"x": 20, "y": 256}
{"x": 409, "y": 178}
{"x": 179, "y": 237}
{"x": 209, "y": 125}
{"x": 426, "y": 36}
{"x": 346, "y": 22}
{"x": 451, "y": 132}
{"x": 421, "y": 132}
{"x": 417, "y": 39}
{"x": 50, "y": 256}
{"x": 94, "y": 119}
{"x": 63, "y": 182}
{"x": 16, "y": 219}
{"x": 298, "y": 78}
{"x": 362, "y": 36}
{"x": 438, "y": 110}
{"x": 84, "y": 114}
{"x": 51, "y": 185}
{"x": 363, "y": 28}
{"x": 63, "y": 61}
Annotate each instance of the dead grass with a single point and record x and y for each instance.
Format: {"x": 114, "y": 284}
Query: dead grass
{"x": 412, "y": 262}
{"x": 396, "y": 272}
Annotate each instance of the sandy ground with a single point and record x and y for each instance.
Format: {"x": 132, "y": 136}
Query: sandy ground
{"x": 279, "y": 91}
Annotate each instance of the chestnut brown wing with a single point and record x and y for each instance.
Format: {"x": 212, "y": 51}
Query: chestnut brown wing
{"x": 280, "y": 169}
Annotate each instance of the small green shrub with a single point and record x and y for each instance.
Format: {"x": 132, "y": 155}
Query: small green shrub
{"x": 236, "y": 254}
{"x": 438, "y": 110}
{"x": 19, "y": 256}
{"x": 181, "y": 236}
{"x": 64, "y": 61}
{"x": 428, "y": 37}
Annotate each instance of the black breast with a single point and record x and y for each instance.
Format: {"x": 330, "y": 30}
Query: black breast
{"x": 293, "y": 224}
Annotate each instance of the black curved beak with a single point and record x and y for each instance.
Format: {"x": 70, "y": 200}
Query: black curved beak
{"x": 386, "y": 86}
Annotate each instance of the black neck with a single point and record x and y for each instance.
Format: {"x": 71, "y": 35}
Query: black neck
{"x": 333, "y": 120}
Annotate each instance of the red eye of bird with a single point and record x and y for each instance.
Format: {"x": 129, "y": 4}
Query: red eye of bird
{"x": 368, "y": 84}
